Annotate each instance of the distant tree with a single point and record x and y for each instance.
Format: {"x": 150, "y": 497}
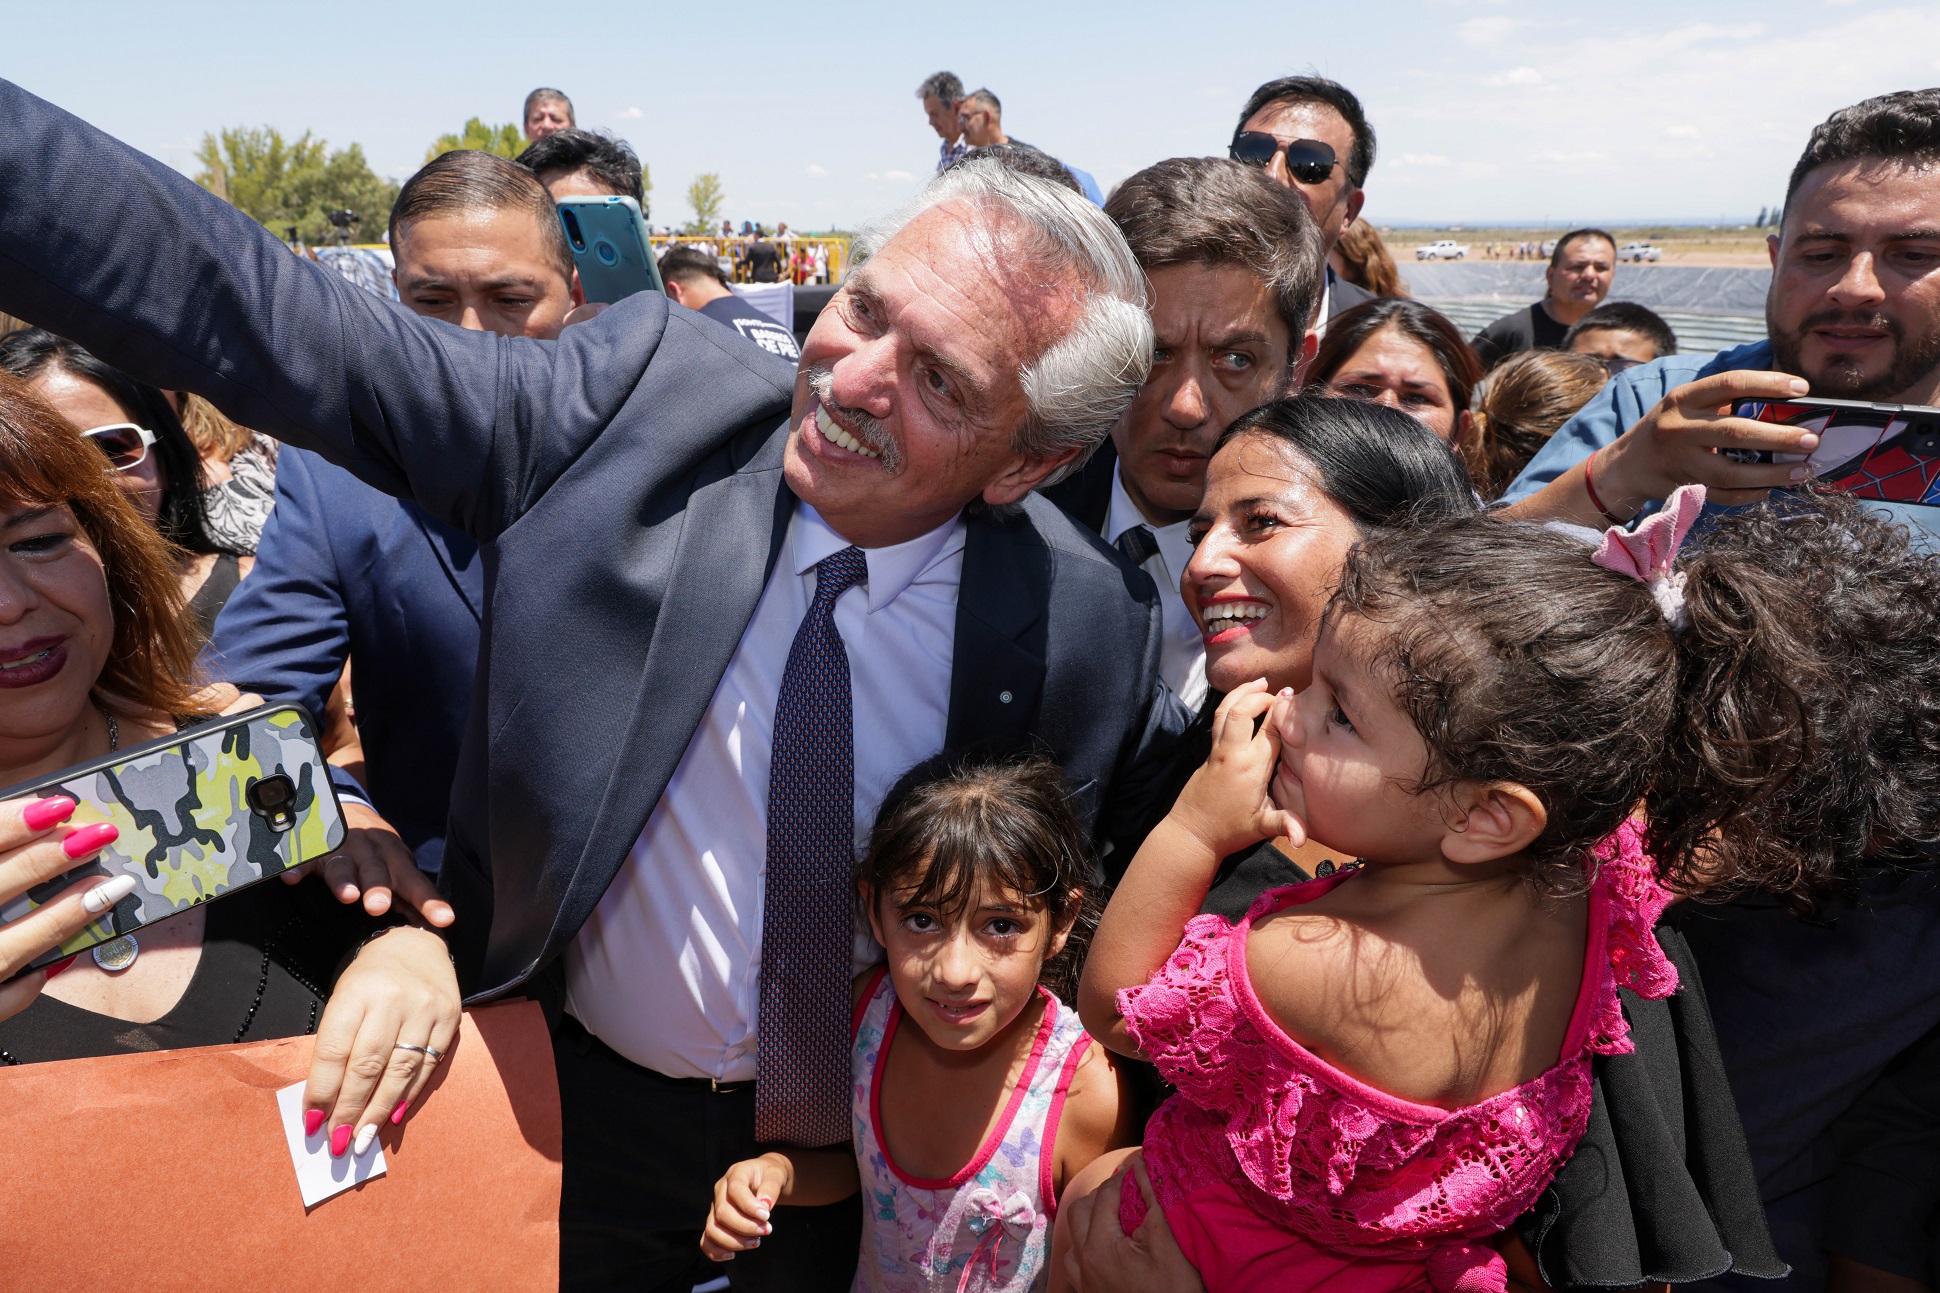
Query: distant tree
{"x": 646, "y": 188}
{"x": 707, "y": 199}
{"x": 280, "y": 183}
{"x": 1761, "y": 218}
{"x": 506, "y": 141}
{"x": 1778, "y": 216}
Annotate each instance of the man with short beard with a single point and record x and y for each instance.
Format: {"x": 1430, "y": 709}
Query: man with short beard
{"x": 1809, "y": 1014}
{"x": 728, "y": 605}
{"x": 1853, "y": 313}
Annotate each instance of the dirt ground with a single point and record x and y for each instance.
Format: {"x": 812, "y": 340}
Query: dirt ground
{"x": 1733, "y": 246}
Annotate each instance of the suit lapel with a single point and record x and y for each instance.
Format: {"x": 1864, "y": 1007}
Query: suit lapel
{"x": 731, "y": 534}
{"x": 997, "y": 678}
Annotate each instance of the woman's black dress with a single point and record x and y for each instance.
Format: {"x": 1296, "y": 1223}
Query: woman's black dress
{"x": 269, "y": 956}
{"x": 1660, "y": 1190}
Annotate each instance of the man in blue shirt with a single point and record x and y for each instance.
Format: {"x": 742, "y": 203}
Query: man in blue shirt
{"x": 1808, "y": 1013}
{"x": 981, "y": 118}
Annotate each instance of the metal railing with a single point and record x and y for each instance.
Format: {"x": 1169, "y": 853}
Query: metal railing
{"x": 731, "y": 252}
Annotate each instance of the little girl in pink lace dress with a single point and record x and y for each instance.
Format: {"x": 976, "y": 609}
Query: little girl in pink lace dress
{"x": 1378, "y": 1071}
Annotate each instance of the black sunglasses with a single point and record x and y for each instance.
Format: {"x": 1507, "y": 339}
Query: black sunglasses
{"x": 1308, "y": 160}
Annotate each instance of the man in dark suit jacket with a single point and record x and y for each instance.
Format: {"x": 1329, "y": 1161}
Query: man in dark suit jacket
{"x": 345, "y": 572}
{"x": 646, "y": 496}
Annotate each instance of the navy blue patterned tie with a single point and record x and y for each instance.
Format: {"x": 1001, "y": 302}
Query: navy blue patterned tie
{"x": 808, "y": 920}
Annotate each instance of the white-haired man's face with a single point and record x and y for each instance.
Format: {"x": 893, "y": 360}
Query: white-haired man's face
{"x": 910, "y": 392}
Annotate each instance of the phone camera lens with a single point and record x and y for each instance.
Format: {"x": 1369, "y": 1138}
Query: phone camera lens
{"x": 274, "y": 800}
{"x": 1923, "y": 440}
{"x": 571, "y": 221}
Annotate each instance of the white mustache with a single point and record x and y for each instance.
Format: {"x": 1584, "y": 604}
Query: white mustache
{"x": 821, "y": 381}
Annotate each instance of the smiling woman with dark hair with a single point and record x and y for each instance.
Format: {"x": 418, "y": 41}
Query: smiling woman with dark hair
{"x": 151, "y": 457}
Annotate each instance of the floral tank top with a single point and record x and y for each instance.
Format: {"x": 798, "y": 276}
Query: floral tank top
{"x": 1341, "y": 1164}
{"x": 988, "y": 1227}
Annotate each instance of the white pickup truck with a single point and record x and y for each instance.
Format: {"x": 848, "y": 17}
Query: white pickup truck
{"x": 1445, "y": 249}
{"x": 1639, "y": 252}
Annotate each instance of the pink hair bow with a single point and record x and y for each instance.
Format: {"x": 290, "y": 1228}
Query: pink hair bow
{"x": 1649, "y": 553}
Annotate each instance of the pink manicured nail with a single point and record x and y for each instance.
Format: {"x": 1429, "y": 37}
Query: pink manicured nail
{"x": 312, "y": 1119}
{"x": 397, "y": 1114}
{"x": 87, "y": 839}
{"x": 339, "y": 1141}
{"x": 43, "y": 813}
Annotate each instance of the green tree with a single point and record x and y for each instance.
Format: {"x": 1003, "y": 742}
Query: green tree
{"x": 646, "y": 190}
{"x": 507, "y": 140}
{"x": 280, "y": 183}
{"x": 707, "y": 199}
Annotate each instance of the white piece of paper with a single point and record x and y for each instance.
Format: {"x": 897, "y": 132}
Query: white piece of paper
{"x": 319, "y": 1175}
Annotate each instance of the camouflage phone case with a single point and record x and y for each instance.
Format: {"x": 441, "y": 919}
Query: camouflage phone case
{"x": 201, "y": 813}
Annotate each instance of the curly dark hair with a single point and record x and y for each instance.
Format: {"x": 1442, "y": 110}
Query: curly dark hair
{"x": 1791, "y": 731}
{"x": 963, "y": 819}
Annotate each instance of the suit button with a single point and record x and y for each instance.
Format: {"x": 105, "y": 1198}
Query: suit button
{"x": 1004, "y": 697}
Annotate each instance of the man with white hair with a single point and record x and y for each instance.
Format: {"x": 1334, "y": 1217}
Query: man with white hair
{"x": 718, "y": 602}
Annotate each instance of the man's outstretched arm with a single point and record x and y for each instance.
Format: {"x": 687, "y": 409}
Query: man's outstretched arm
{"x": 124, "y": 255}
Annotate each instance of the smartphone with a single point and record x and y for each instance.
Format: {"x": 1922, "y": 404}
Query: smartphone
{"x": 609, "y": 241}
{"x": 204, "y": 812}
{"x": 1889, "y": 452}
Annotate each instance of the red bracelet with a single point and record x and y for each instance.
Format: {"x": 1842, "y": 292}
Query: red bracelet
{"x": 1589, "y": 488}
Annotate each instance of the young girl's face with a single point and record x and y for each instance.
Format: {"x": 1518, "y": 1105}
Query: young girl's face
{"x": 964, "y": 976}
{"x": 1349, "y": 755}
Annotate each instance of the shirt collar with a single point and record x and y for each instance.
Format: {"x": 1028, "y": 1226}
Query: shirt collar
{"x": 891, "y": 569}
{"x": 1174, "y": 546}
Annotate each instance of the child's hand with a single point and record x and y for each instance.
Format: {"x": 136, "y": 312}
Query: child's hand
{"x": 742, "y": 1201}
{"x": 1226, "y": 804}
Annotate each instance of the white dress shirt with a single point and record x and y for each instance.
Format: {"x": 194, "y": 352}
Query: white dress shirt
{"x": 667, "y": 971}
{"x": 1182, "y": 655}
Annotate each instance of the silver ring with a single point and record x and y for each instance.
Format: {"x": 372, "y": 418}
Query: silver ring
{"x": 435, "y": 1054}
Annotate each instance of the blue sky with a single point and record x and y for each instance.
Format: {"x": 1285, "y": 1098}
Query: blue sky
{"x": 1503, "y": 111}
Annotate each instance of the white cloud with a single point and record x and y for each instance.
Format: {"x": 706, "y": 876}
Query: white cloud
{"x": 632, "y": 114}
{"x": 897, "y": 175}
{"x": 1519, "y": 76}
{"x": 815, "y": 170}
{"x": 870, "y": 175}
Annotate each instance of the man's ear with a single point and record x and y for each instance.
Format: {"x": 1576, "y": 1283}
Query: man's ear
{"x": 1354, "y": 205}
{"x": 575, "y": 291}
{"x": 1303, "y": 359}
{"x": 1494, "y": 819}
{"x": 1022, "y": 476}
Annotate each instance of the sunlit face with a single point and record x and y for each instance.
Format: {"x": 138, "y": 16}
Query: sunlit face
{"x": 977, "y": 124}
{"x": 909, "y": 390}
{"x": 1854, "y": 306}
{"x": 964, "y": 976}
{"x": 1619, "y": 347}
{"x": 56, "y": 622}
{"x": 1583, "y": 272}
{"x": 1334, "y": 202}
{"x": 1349, "y": 756}
{"x": 581, "y": 183}
{"x": 1222, "y": 351}
{"x": 943, "y": 118}
{"x": 489, "y": 271}
{"x": 87, "y": 406}
{"x": 1268, "y": 547}
{"x": 548, "y": 116}
{"x": 1394, "y": 369}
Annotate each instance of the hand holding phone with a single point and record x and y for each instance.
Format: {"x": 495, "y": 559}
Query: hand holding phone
{"x": 1682, "y": 439}
{"x": 37, "y": 846}
{"x": 1888, "y": 452}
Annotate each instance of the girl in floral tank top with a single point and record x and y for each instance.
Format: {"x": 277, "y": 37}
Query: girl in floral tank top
{"x": 977, "y": 1093}
{"x": 1379, "y": 1071}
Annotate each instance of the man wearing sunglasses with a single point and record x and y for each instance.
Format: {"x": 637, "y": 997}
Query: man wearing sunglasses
{"x": 1310, "y": 134}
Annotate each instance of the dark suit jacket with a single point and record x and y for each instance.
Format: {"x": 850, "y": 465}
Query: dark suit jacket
{"x": 1345, "y": 295}
{"x": 625, "y": 486}
{"x": 345, "y": 571}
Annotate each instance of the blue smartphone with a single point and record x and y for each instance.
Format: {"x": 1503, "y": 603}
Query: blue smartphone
{"x": 608, "y": 237}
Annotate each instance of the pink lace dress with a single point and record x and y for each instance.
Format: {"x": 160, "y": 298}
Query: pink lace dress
{"x": 1277, "y": 1171}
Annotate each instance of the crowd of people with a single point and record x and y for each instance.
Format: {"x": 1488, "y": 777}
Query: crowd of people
{"x": 1131, "y": 756}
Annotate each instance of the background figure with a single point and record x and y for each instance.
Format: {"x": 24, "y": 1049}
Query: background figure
{"x": 1362, "y": 258}
{"x": 981, "y": 118}
{"x": 1403, "y": 354}
{"x": 1519, "y": 405}
{"x": 239, "y": 465}
{"x": 1622, "y": 335}
{"x": 1310, "y": 134}
{"x": 694, "y": 279}
{"x": 1029, "y": 161}
{"x": 1580, "y": 272}
{"x": 940, "y": 94}
{"x": 149, "y": 453}
{"x": 546, "y": 110}
{"x": 575, "y": 163}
